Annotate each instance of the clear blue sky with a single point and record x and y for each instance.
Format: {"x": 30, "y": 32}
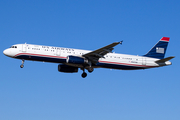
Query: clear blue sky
{"x": 40, "y": 92}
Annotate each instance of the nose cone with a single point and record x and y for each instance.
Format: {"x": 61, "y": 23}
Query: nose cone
{"x": 5, "y": 52}
{"x": 8, "y": 53}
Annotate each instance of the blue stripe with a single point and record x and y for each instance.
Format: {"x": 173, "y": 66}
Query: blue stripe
{"x": 117, "y": 66}
{"x": 62, "y": 60}
{"x": 39, "y": 58}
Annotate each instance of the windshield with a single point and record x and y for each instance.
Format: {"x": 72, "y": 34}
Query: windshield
{"x": 13, "y": 47}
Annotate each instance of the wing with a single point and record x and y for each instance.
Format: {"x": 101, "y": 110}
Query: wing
{"x": 99, "y": 53}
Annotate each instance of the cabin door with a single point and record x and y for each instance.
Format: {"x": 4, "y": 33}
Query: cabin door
{"x": 24, "y": 48}
{"x": 143, "y": 61}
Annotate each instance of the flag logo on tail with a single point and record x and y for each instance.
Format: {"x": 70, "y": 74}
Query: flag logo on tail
{"x": 159, "y": 50}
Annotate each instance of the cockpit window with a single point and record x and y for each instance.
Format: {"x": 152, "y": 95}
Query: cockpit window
{"x": 13, "y": 47}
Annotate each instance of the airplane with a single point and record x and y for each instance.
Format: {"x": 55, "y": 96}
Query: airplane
{"x": 70, "y": 60}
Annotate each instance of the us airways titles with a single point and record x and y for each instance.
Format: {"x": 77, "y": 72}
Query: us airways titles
{"x": 54, "y": 48}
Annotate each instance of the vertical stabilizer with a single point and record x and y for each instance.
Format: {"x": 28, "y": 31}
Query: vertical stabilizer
{"x": 159, "y": 50}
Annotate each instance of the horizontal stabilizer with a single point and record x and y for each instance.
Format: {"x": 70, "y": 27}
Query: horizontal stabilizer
{"x": 165, "y": 59}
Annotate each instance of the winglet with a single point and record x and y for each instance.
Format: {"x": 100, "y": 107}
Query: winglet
{"x": 121, "y": 42}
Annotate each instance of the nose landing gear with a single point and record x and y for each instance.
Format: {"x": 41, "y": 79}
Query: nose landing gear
{"x": 22, "y": 65}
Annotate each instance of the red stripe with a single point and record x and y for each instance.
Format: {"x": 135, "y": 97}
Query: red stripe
{"x": 38, "y": 55}
{"x": 126, "y": 64}
{"x": 99, "y": 61}
{"x": 165, "y": 39}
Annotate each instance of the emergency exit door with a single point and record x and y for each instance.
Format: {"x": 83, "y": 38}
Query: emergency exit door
{"x": 58, "y": 52}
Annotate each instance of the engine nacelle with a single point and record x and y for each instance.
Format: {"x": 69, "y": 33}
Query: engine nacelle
{"x": 67, "y": 69}
{"x": 76, "y": 60}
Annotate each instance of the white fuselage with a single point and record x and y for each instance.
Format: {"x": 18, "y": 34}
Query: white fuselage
{"x": 59, "y": 55}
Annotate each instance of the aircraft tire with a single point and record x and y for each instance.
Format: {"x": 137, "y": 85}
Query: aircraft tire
{"x": 21, "y": 66}
{"x": 84, "y": 74}
{"x": 90, "y": 69}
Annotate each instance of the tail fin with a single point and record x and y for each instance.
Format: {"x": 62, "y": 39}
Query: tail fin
{"x": 159, "y": 50}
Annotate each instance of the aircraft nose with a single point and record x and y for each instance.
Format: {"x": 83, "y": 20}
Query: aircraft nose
{"x": 5, "y": 52}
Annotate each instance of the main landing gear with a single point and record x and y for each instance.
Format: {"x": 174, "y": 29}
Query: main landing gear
{"x": 84, "y": 74}
{"x": 22, "y": 65}
{"x": 90, "y": 69}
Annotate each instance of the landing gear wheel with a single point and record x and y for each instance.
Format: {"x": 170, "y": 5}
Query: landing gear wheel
{"x": 84, "y": 74}
{"x": 90, "y": 69}
{"x": 21, "y": 66}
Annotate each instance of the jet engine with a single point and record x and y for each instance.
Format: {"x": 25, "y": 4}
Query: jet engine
{"x": 76, "y": 60}
{"x": 67, "y": 69}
